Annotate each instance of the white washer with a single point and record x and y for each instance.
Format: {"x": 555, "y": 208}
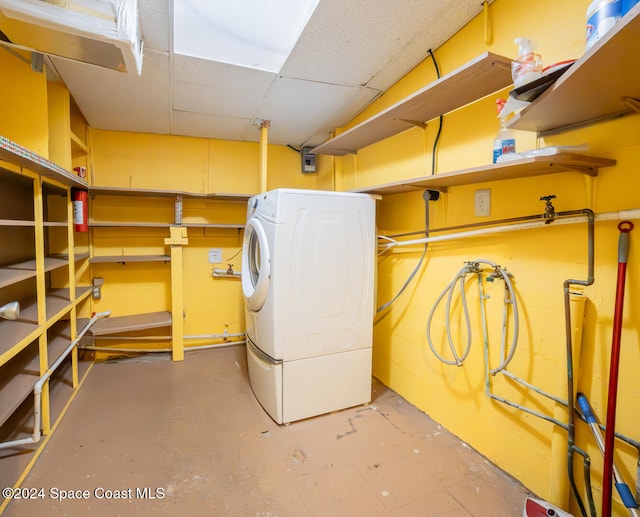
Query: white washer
{"x": 308, "y": 268}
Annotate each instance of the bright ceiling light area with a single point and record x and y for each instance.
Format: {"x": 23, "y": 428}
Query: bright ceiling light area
{"x": 257, "y": 34}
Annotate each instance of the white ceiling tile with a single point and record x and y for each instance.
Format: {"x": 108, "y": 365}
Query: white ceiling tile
{"x": 451, "y": 18}
{"x": 214, "y": 101}
{"x": 351, "y": 42}
{"x": 113, "y": 100}
{"x": 154, "y": 20}
{"x": 217, "y": 88}
{"x": 208, "y": 126}
{"x": 299, "y": 109}
{"x": 213, "y": 73}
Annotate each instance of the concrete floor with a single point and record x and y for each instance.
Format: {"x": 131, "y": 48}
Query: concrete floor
{"x": 146, "y": 436}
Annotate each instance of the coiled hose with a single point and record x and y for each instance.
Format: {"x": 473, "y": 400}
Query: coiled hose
{"x": 474, "y": 267}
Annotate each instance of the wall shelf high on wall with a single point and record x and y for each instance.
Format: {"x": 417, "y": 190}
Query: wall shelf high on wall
{"x": 604, "y": 83}
{"x": 522, "y": 168}
{"x": 482, "y": 76}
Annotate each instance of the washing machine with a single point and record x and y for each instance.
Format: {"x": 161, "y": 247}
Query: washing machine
{"x": 308, "y": 269}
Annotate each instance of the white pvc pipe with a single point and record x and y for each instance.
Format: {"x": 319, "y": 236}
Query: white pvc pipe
{"x": 606, "y": 216}
{"x": 160, "y": 350}
{"x": 223, "y": 272}
{"x": 37, "y": 390}
{"x": 224, "y": 335}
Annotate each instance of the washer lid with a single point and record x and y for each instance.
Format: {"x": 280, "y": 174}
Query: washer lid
{"x": 256, "y": 265}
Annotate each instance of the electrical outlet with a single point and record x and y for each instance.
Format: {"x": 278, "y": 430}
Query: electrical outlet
{"x": 483, "y": 202}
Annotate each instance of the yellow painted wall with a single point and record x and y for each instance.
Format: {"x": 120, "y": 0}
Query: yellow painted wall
{"x": 23, "y": 109}
{"x": 540, "y": 261}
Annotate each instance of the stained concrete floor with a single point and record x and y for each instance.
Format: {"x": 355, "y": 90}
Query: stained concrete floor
{"x": 146, "y": 436}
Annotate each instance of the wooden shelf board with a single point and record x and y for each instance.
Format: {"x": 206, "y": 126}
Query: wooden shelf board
{"x": 150, "y": 192}
{"x": 594, "y": 87}
{"x": 10, "y": 276}
{"x": 131, "y": 323}
{"x": 525, "y": 167}
{"x": 129, "y": 258}
{"x": 482, "y": 76}
{"x": 50, "y": 263}
{"x": 57, "y": 303}
{"x": 82, "y": 292}
{"x": 14, "y": 336}
{"x": 19, "y": 376}
{"x": 59, "y": 340}
{"x": 23, "y": 157}
{"x": 55, "y": 223}
{"x": 15, "y": 222}
{"x": 64, "y": 256}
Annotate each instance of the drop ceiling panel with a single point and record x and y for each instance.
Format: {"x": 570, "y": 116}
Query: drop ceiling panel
{"x": 446, "y": 22}
{"x": 299, "y": 109}
{"x": 125, "y": 102}
{"x": 209, "y": 126}
{"x": 218, "y": 89}
{"x": 351, "y": 42}
{"x": 154, "y": 20}
{"x": 347, "y": 42}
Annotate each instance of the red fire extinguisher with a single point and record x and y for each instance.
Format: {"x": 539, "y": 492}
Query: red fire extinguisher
{"x": 80, "y": 210}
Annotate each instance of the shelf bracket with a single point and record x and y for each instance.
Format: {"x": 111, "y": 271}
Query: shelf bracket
{"x": 417, "y": 123}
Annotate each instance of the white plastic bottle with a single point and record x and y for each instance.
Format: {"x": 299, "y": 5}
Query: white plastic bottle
{"x": 505, "y": 142}
{"x": 527, "y": 66}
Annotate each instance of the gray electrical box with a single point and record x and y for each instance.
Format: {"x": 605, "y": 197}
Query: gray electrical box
{"x": 308, "y": 160}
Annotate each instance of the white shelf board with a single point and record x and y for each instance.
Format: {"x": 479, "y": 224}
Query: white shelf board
{"x": 596, "y": 85}
{"x": 478, "y": 78}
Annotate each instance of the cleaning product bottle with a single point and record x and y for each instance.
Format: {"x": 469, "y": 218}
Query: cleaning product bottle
{"x": 505, "y": 142}
{"x": 602, "y": 15}
{"x": 528, "y": 65}
{"x": 627, "y": 5}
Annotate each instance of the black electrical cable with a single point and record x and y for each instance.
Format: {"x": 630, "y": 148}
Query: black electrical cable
{"x": 427, "y": 196}
{"x": 437, "y": 139}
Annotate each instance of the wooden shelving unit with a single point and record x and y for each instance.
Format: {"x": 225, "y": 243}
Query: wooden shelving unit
{"x": 523, "y": 168}
{"x": 173, "y": 211}
{"x": 484, "y": 75}
{"x": 35, "y": 208}
{"x": 604, "y": 83}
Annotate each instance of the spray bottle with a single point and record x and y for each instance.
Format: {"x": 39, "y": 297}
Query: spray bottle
{"x": 505, "y": 142}
{"x": 528, "y": 65}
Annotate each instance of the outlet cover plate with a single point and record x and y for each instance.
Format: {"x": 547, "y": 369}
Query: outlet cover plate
{"x": 483, "y": 202}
